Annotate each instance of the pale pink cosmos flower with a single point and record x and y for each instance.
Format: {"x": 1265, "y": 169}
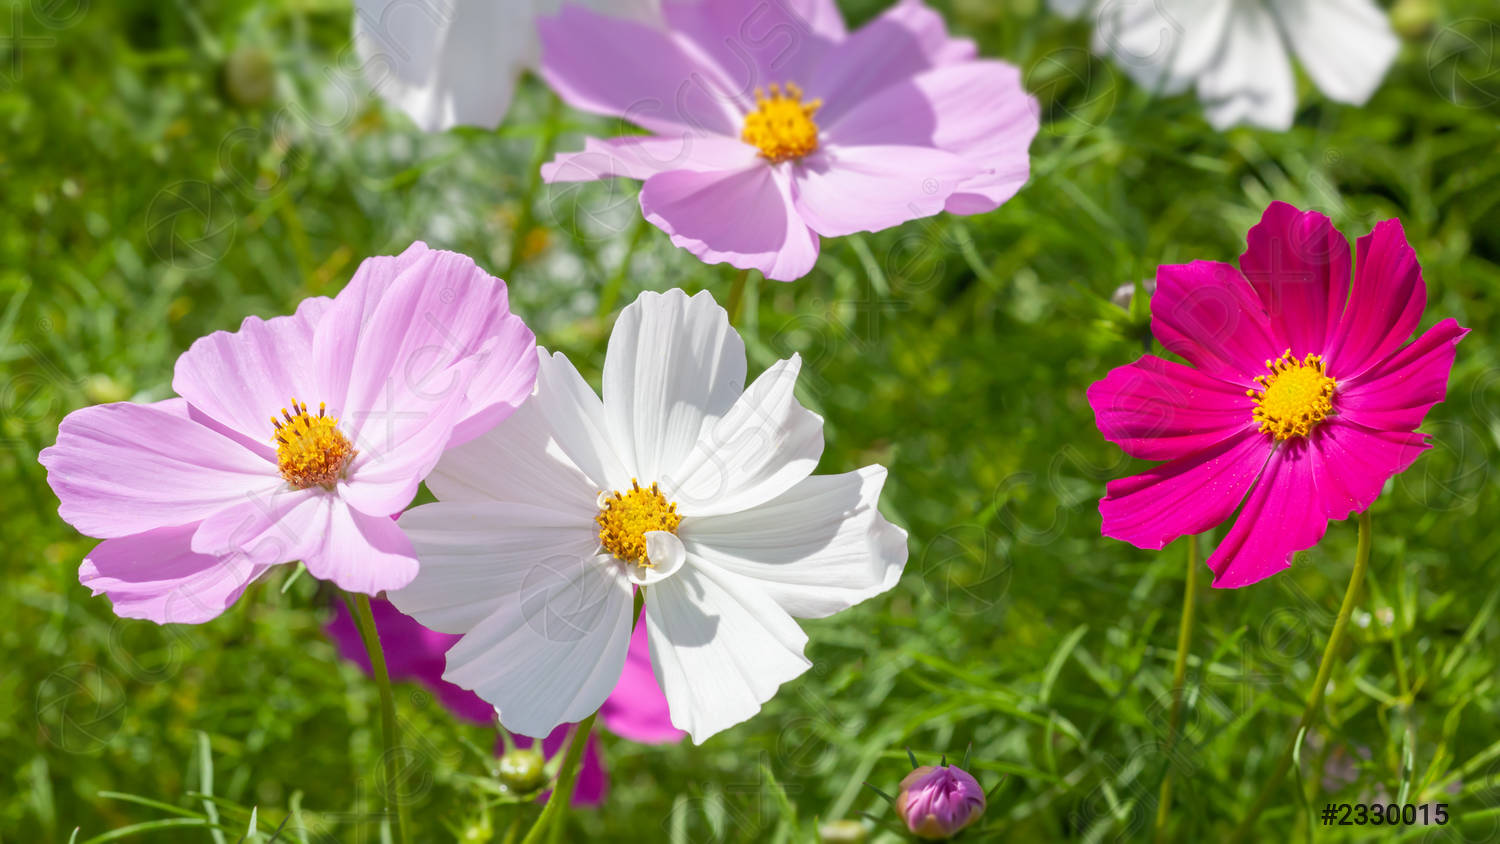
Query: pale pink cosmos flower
{"x": 635, "y": 710}
{"x": 772, "y": 125}
{"x": 937, "y": 802}
{"x": 294, "y": 438}
{"x": 1301, "y": 397}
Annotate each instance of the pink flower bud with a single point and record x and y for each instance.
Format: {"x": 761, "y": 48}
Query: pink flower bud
{"x": 937, "y": 802}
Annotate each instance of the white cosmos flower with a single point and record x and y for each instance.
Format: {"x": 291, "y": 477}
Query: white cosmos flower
{"x": 453, "y": 63}
{"x": 1236, "y": 51}
{"x": 681, "y": 481}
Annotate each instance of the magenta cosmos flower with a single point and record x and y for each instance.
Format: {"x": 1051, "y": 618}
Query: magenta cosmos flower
{"x": 937, "y": 802}
{"x": 635, "y": 710}
{"x": 295, "y": 438}
{"x": 773, "y": 126}
{"x": 1299, "y": 400}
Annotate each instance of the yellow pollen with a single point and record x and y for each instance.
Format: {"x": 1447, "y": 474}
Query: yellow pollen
{"x": 782, "y": 125}
{"x": 1294, "y": 396}
{"x": 625, "y": 518}
{"x": 310, "y": 450}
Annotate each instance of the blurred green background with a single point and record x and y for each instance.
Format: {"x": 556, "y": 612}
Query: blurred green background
{"x": 169, "y": 167}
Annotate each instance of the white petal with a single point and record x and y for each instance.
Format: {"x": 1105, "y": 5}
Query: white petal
{"x": 666, "y": 554}
{"x": 820, "y": 548}
{"x": 1346, "y": 45}
{"x": 720, "y": 648}
{"x": 529, "y": 458}
{"x": 1251, "y": 79}
{"x": 553, "y": 652}
{"x": 765, "y": 443}
{"x": 1068, "y": 8}
{"x": 673, "y": 364}
{"x": 1162, "y": 44}
{"x": 478, "y": 556}
{"x": 446, "y": 62}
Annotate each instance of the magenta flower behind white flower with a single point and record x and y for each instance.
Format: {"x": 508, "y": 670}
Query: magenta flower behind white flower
{"x": 773, "y": 126}
{"x": 682, "y": 481}
{"x": 295, "y": 438}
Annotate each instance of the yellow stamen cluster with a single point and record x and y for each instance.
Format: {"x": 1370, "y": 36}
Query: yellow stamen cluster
{"x": 625, "y": 518}
{"x": 310, "y": 449}
{"x": 782, "y": 126}
{"x": 1294, "y": 396}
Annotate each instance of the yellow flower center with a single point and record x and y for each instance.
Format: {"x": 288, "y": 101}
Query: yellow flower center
{"x": 781, "y": 125}
{"x": 1294, "y": 396}
{"x": 625, "y": 518}
{"x": 310, "y": 449}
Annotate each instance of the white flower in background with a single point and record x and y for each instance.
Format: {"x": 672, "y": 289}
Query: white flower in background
{"x": 453, "y": 63}
{"x": 1236, "y": 51}
{"x": 681, "y": 481}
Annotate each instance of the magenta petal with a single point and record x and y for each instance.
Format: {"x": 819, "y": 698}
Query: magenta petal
{"x": 1351, "y": 464}
{"x": 637, "y": 708}
{"x": 637, "y": 157}
{"x": 242, "y": 379}
{"x": 1385, "y": 305}
{"x": 1160, "y": 410}
{"x": 1206, "y": 312}
{"x": 121, "y": 469}
{"x": 412, "y": 654}
{"x": 1396, "y": 393}
{"x": 746, "y": 218}
{"x": 905, "y": 40}
{"x": 1298, "y": 264}
{"x": 844, "y": 190}
{"x": 1187, "y": 495}
{"x": 1283, "y": 514}
{"x": 361, "y": 553}
{"x": 157, "y": 576}
{"x": 594, "y": 62}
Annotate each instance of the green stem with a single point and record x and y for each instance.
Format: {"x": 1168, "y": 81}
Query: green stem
{"x": 527, "y": 218}
{"x": 737, "y": 296}
{"x": 365, "y": 621}
{"x": 549, "y": 825}
{"x": 1325, "y": 668}
{"x": 1179, "y": 678}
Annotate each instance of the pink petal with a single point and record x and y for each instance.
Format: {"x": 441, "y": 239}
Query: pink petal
{"x": 504, "y": 373}
{"x": 337, "y": 344}
{"x": 637, "y": 157}
{"x": 1298, "y": 264}
{"x": 1351, "y": 464}
{"x": 1385, "y": 305}
{"x": 637, "y": 708}
{"x": 412, "y": 654}
{"x": 121, "y": 469}
{"x": 242, "y": 379}
{"x": 746, "y": 218}
{"x": 750, "y": 44}
{"x": 1207, "y": 313}
{"x": 398, "y": 448}
{"x": 156, "y": 576}
{"x": 368, "y": 554}
{"x": 1160, "y": 410}
{"x": 1396, "y": 393}
{"x": 1283, "y": 515}
{"x": 594, "y": 62}
{"x": 905, "y": 40}
{"x": 1188, "y": 495}
{"x": 843, "y": 190}
{"x": 267, "y": 527}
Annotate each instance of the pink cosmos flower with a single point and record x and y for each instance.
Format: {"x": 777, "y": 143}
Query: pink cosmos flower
{"x": 295, "y": 438}
{"x": 1301, "y": 397}
{"x": 635, "y": 710}
{"x": 772, "y": 125}
{"x": 937, "y": 802}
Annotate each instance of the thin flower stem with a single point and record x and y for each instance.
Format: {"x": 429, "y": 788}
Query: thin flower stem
{"x": 549, "y": 825}
{"x": 364, "y": 619}
{"x": 737, "y": 296}
{"x": 1179, "y": 678}
{"x": 1325, "y": 668}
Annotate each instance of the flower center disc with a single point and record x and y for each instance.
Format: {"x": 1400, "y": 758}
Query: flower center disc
{"x": 1294, "y": 396}
{"x": 625, "y": 518}
{"x": 782, "y": 126}
{"x": 310, "y": 450}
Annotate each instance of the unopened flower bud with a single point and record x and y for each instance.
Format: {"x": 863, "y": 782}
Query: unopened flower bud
{"x": 937, "y": 802}
{"x": 249, "y": 77}
{"x": 842, "y": 832}
{"x": 523, "y": 770}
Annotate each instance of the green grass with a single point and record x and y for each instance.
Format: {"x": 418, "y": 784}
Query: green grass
{"x": 143, "y": 207}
